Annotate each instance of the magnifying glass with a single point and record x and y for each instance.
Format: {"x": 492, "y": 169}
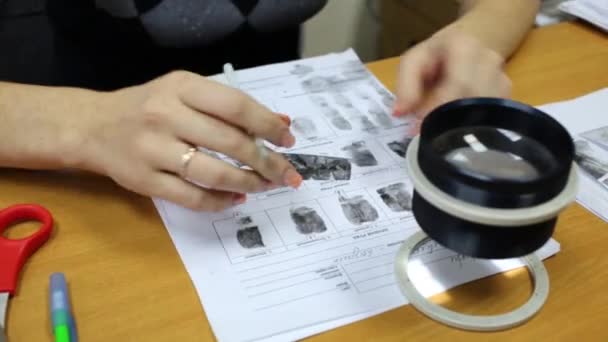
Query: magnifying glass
{"x": 490, "y": 178}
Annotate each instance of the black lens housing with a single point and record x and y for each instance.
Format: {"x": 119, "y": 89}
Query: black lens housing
{"x": 500, "y": 113}
{"x": 480, "y": 240}
{"x": 483, "y": 240}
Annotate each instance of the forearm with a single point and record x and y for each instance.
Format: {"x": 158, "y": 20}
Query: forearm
{"x": 40, "y": 125}
{"x": 498, "y": 24}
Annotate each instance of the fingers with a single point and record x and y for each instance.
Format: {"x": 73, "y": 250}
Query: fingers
{"x": 458, "y": 75}
{"x": 152, "y": 129}
{"x": 237, "y": 108}
{"x": 417, "y": 69}
{"x": 470, "y": 72}
{"x": 203, "y": 130}
{"x": 464, "y": 68}
{"x": 210, "y": 172}
{"x": 190, "y": 196}
{"x": 285, "y": 118}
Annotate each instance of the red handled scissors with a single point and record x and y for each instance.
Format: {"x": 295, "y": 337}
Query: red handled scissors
{"x": 14, "y": 252}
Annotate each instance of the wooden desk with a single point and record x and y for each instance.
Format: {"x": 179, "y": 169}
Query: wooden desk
{"x": 128, "y": 283}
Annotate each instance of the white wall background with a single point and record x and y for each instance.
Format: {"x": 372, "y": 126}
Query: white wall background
{"x": 340, "y": 25}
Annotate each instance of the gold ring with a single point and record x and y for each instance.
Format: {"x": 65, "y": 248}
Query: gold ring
{"x": 186, "y": 158}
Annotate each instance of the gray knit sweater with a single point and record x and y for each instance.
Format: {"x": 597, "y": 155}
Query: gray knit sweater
{"x": 194, "y": 22}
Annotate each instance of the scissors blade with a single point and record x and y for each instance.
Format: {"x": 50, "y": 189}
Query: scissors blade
{"x": 3, "y": 307}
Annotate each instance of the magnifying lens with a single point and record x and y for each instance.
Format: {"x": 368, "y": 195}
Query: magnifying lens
{"x": 490, "y": 178}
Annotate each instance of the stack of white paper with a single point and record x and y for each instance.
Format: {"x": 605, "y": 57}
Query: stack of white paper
{"x": 289, "y": 264}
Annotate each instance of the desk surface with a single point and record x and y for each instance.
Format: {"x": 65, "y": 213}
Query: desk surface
{"x": 128, "y": 283}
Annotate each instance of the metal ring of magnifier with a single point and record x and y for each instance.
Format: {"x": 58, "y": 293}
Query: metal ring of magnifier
{"x": 471, "y": 322}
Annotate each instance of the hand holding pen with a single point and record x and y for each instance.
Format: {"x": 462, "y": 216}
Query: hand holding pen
{"x": 147, "y": 139}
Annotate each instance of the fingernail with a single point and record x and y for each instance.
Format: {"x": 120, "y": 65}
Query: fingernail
{"x": 239, "y": 199}
{"x": 398, "y": 109}
{"x": 288, "y": 140}
{"x": 292, "y": 178}
{"x": 286, "y": 119}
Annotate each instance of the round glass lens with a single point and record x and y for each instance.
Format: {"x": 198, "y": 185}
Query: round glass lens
{"x": 494, "y": 154}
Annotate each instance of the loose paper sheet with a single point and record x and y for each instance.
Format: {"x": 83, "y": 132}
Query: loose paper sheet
{"x": 289, "y": 264}
{"x": 586, "y": 118}
{"x": 592, "y": 11}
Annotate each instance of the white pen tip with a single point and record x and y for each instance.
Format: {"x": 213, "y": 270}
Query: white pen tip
{"x": 230, "y": 75}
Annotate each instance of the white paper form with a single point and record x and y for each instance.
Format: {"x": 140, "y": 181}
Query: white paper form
{"x": 586, "y": 119}
{"x": 291, "y": 263}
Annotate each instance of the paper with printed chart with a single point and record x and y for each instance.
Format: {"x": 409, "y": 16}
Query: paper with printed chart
{"x": 292, "y": 263}
{"x": 586, "y": 118}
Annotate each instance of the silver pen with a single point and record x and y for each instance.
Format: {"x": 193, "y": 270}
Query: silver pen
{"x": 230, "y": 75}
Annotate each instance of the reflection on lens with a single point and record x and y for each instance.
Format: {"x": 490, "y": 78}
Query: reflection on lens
{"x": 496, "y": 154}
{"x": 493, "y": 163}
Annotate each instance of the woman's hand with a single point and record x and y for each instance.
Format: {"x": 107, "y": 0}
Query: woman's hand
{"x": 448, "y": 66}
{"x": 138, "y": 136}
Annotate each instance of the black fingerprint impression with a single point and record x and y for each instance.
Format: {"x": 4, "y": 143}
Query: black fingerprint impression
{"x": 320, "y": 167}
{"x": 307, "y": 220}
{"x": 360, "y": 154}
{"x": 358, "y": 210}
{"x": 396, "y": 197}
{"x": 249, "y": 237}
{"x": 400, "y": 147}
